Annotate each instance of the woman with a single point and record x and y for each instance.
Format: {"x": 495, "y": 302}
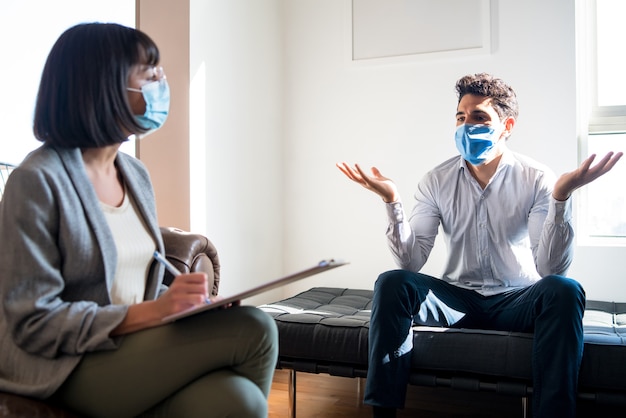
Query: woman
{"x": 82, "y": 300}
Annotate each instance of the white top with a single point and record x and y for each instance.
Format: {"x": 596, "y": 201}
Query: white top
{"x": 507, "y": 236}
{"x": 134, "y": 252}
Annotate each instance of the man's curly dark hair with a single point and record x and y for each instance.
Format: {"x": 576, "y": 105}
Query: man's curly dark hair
{"x": 486, "y": 85}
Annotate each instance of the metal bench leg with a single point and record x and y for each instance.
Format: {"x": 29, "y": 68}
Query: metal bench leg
{"x": 292, "y": 393}
{"x": 359, "y": 391}
{"x": 525, "y": 406}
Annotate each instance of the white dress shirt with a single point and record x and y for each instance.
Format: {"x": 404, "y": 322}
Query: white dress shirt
{"x": 506, "y": 236}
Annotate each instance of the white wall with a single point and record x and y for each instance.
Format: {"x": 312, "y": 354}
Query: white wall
{"x": 236, "y": 75}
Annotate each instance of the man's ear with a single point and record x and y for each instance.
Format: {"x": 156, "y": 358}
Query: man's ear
{"x": 509, "y": 124}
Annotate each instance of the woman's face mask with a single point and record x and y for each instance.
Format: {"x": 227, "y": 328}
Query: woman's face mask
{"x": 156, "y": 94}
{"x": 476, "y": 142}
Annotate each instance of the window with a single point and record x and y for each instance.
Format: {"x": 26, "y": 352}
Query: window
{"x": 28, "y": 29}
{"x": 602, "y": 112}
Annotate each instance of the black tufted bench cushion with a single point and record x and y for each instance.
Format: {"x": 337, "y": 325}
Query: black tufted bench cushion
{"x": 325, "y": 330}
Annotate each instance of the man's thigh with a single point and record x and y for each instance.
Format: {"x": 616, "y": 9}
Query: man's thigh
{"x": 443, "y": 304}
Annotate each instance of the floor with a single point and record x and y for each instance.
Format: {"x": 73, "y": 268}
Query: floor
{"x": 330, "y": 397}
{"x": 324, "y": 396}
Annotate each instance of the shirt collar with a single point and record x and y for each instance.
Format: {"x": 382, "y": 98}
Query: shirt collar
{"x": 507, "y": 159}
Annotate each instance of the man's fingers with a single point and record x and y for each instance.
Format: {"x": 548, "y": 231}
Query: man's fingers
{"x": 376, "y": 172}
{"x": 343, "y": 169}
{"x": 364, "y": 178}
{"x": 369, "y": 181}
{"x": 603, "y": 166}
{"x": 361, "y": 172}
{"x": 348, "y": 171}
{"x": 612, "y": 161}
{"x": 587, "y": 163}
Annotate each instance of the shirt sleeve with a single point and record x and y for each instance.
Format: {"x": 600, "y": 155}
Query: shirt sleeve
{"x": 412, "y": 240}
{"x": 552, "y": 237}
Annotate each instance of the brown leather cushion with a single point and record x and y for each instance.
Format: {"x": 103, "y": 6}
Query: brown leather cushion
{"x": 191, "y": 252}
{"x": 22, "y": 407}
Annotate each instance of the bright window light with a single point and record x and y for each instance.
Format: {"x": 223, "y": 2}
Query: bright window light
{"x": 606, "y": 197}
{"x": 610, "y": 36}
{"x": 28, "y": 29}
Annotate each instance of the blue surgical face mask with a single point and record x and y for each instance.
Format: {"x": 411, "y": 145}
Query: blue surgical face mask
{"x": 475, "y": 142}
{"x": 156, "y": 94}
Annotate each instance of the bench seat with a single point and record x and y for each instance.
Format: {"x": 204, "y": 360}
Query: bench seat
{"x": 325, "y": 330}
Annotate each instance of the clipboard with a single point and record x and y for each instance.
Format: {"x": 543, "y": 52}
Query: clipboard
{"x": 320, "y": 267}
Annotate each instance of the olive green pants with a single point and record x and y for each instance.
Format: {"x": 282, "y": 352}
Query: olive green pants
{"x": 215, "y": 364}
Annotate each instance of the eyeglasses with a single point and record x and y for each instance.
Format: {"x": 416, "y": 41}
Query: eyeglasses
{"x": 157, "y": 75}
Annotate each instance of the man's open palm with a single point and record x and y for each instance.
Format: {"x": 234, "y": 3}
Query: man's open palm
{"x": 377, "y": 183}
{"x": 584, "y": 174}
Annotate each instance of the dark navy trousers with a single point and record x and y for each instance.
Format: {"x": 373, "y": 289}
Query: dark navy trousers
{"x": 552, "y": 309}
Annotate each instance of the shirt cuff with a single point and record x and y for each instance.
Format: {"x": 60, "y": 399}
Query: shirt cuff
{"x": 560, "y": 211}
{"x": 395, "y": 212}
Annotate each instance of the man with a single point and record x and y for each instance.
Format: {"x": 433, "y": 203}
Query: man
{"x": 507, "y": 223}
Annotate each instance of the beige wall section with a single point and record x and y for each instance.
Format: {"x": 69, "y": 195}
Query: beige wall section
{"x": 166, "y": 151}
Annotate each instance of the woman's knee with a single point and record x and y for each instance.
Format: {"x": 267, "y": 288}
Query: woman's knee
{"x": 259, "y": 327}
{"x": 221, "y": 393}
{"x": 261, "y": 319}
{"x": 245, "y": 400}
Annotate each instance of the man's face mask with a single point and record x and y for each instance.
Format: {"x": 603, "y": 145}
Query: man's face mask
{"x": 156, "y": 94}
{"x": 475, "y": 142}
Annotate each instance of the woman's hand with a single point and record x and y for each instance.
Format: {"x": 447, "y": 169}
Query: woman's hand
{"x": 377, "y": 183}
{"x": 215, "y": 299}
{"x": 568, "y": 182}
{"x": 185, "y": 292}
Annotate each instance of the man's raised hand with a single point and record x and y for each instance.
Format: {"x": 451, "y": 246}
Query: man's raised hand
{"x": 584, "y": 174}
{"x": 377, "y": 183}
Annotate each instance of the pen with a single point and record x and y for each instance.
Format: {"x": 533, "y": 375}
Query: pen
{"x": 171, "y": 268}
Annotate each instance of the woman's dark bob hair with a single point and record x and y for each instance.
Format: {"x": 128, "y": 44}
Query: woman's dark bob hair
{"x": 82, "y": 100}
